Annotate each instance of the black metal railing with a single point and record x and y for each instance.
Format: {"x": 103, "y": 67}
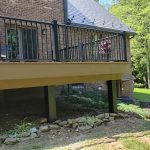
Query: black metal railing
{"x": 26, "y": 40}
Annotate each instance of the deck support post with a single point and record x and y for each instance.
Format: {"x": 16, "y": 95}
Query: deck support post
{"x": 50, "y": 103}
{"x": 1, "y": 97}
{"x": 112, "y": 96}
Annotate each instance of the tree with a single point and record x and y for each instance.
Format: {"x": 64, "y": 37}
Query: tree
{"x": 136, "y": 14}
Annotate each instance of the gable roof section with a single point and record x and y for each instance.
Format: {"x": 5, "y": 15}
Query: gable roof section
{"x": 89, "y": 12}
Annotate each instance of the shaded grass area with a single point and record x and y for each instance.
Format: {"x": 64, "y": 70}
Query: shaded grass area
{"x": 142, "y": 94}
{"x": 134, "y": 109}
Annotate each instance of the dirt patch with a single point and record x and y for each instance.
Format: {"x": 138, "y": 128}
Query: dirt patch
{"x": 76, "y": 140}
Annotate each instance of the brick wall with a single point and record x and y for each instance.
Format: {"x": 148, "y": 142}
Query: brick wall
{"x": 40, "y": 10}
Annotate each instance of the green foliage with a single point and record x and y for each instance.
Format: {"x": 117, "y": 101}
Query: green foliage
{"x": 88, "y": 99}
{"x": 139, "y": 85}
{"x": 134, "y": 109}
{"x": 136, "y": 14}
{"x": 20, "y": 129}
{"x": 90, "y": 120}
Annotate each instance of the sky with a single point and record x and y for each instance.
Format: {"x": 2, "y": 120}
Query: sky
{"x": 106, "y": 3}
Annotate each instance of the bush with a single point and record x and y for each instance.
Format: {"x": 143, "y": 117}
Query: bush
{"x": 134, "y": 109}
{"x": 88, "y": 99}
{"x": 139, "y": 85}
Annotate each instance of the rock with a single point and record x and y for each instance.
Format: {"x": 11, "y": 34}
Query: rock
{"x": 80, "y": 119}
{"x": 83, "y": 128}
{"x": 71, "y": 121}
{"x": 75, "y": 125}
{"x": 3, "y": 138}
{"x": 101, "y": 116}
{"x": 63, "y": 123}
{"x": 44, "y": 128}
{"x": 105, "y": 120}
{"x": 122, "y": 115}
{"x": 10, "y": 141}
{"x": 43, "y": 120}
{"x": 34, "y": 135}
{"x": 99, "y": 122}
{"x": 77, "y": 130}
{"x": 53, "y": 127}
{"x": 57, "y": 122}
{"x": 111, "y": 118}
{"x": 33, "y": 130}
{"x": 26, "y": 134}
{"x": 113, "y": 115}
{"x": 106, "y": 115}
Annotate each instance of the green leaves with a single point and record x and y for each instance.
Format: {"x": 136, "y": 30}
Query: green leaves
{"x": 136, "y": 14}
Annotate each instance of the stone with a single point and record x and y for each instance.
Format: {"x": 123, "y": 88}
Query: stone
{"x": 105, "y": 120}
{"x": 71, "y": 121}
{"x": 43, "y": 120}
{"x": 53, "y": 127}
{"x": 101, "y": 116}
{"x": 83, "y": 128}
{"x": 67, "y": 126}
{"x": 57, "y": 122}
{"x": 106, "y": 115}
{"x": 33, "y": 130}
{"x": 81, "y": 119}
{"x": 44, "y": 128}
{"x": 34, "y": 135}
{"x": 113, "y": 115}
{"x": 111, "y": 118}
{"x": 3, "y": 138}
{"x": 10, "y": 141}
{"x": 122, "y": 115}
{"x": 63, "y": 123}
{"x": 25, "y": 134}
{"x": 75, "y": 125}
{"x": 99, "y": 122}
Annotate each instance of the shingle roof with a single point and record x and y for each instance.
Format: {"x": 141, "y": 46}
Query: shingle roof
{"x": 88, "y": 12}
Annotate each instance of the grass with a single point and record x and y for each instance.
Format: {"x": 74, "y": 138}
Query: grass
{"x": 135, "y": 109}
{"x": 134, "y": 144}
{"x": 142, "y": 94}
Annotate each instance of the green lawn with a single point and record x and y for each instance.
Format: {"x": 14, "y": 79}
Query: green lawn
{"x": 142, "y": 94}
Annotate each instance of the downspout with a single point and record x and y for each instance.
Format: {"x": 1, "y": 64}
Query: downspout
{"x": 65, "y": 11}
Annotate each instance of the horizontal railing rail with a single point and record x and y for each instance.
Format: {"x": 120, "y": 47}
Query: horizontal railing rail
{"x": 26, "y": 40}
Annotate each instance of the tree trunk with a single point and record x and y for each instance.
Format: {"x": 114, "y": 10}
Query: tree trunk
{"x": 148, "y": 64}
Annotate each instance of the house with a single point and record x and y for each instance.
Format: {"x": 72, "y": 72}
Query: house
{"x": 49, "y": 43}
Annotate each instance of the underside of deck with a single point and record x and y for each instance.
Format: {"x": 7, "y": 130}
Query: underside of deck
{"x": 22, "y": 75}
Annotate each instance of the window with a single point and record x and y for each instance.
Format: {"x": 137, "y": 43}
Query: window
{"x": 22, "y": 43}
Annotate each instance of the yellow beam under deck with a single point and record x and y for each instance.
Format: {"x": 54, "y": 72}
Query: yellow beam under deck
{"x": 24, "y": 74}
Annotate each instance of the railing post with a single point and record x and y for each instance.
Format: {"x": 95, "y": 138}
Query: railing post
{"x": 55, "y": 31}
{"x": 125, "y": 46}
